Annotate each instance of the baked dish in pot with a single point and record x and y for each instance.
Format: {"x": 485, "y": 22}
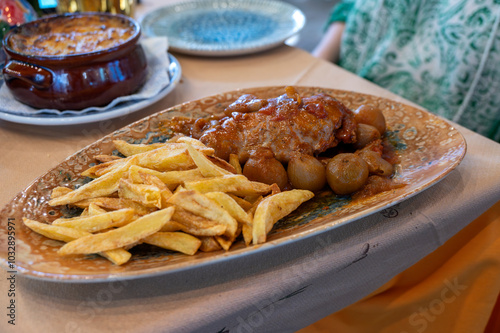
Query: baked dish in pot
{"x": 74, "y": 61}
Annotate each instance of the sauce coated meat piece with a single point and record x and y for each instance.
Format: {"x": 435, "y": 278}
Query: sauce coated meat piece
{"x": 285, "y": 124}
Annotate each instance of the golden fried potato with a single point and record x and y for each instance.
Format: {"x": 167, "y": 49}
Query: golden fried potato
{"x": 209, "y": 244}
{"x": 127, "y": 235}
{"x": 235, "y": 162}
{"x": 60, "y": 233}
{"x": 94, "y": 209}
{"x": 224, "y": 242}
{"x": 116, "y": 256}
{"x": 166, "y": 159}
{"x": 175, "y": 241}
{"x": 199, "y": 204}
{"x": 99, "y": 170}
{"x": 171, "y": 226}
{"x": 273, "y": 208}
{"x": 247, "y": 232}
{"x": 129, "y": 149}
{"x": 65, "y": 234}
{"x": 93, "y": 223}
{"x": 59, "y": 191}
{"x": 207, "y": 167}
{"x": 170, "y": 178}
{"x": 146, "y": 195}
{"x": 246, "y": 205}
{"x": 102, "y": 186}
{"x": 231, "y": 206}
{"x": 195, "y": 143}
{"x": 235, "y": 184}
{"x": 152, "y": 180}
{"x": 198, "y": 225}
{"x": 106, "y": 158}
{"x": 114, "y": 204}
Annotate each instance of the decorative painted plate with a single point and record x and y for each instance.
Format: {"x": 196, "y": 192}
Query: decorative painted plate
{"x": 97, "y": 114}
{"x": 224, "y": 27}
{"x": 429, "y": 148}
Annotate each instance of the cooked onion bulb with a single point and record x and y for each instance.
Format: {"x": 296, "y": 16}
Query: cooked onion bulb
{"x": 263, "y": 167}
{"x": 305, "y": 172}
{"x": 369, "y": 115}
{"x": 376, "y": 164}
{"x": 346, "y": 173}
{"x": 365, "y": 135}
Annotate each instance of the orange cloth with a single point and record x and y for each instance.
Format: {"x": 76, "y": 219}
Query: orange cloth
{"x": 454, "y": 289}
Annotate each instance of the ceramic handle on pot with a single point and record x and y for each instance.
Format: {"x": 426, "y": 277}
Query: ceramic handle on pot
{"x": 40, "y": 77}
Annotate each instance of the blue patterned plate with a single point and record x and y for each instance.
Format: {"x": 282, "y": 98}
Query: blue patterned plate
{"x": 224, "y": 27}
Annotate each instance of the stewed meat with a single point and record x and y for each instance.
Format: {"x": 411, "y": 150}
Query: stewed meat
{"x": 285, "y": 124}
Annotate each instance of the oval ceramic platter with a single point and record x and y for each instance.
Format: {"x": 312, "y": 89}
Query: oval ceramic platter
{"x": 429, "y": 148}
{"x": 224, "y": 27}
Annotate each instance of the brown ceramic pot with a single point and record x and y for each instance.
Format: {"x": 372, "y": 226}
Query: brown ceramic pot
{"x": 77, "y": 80}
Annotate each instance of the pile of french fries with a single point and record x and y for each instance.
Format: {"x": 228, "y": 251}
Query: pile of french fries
{"x": 175, "y": 195}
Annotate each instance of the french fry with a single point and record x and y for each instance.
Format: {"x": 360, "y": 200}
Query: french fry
{"x": 117, "y": 238}
{"x": 198, "y": 225}
{"x": 275, "y": 189}
{"x": 235, "y": 162}
{"x": 213, "y": 230}
{"x": 129, "y": 149}
{"x": 116, "y": 256}
{"x": 247, "y": 232}
{"x": 171, "y": 226}
{"x": 273, "y": 208}
{"x": 59, "y": 191}
{"x": 175, "y": 241}
{"x": 246, "y": 205}
{"x": 153, "y": 180}
{"x": 221, "y": 163}
{"x": 235, "y": 184}
{"x": 60, "y": 233}
{"x": 106, "y": 158}
{"x": 85, "y": 212}
{"x": 94, "y": 209}
{"x": 170, "y": 178}
{"x": 256, "y": 203}
{"x": 207, "y": 167}
{"x": 224, "y": 242}
{"x": 114, "y": 204}
{"x": 98, "y": 170}
{"x": 231, "y": 206}
{"x": 199, "y": 204}
{"x": 147, "y": 195}
{"x": 93, "y": 223}
{"x": 165, "y": 159}
{"x": 253, "y": 198}
{"x": 194, "y": 142}
{"x": 102, "y": 186}
{"x": 209, "y": 244}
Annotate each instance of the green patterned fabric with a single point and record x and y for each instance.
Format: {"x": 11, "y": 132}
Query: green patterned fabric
{"x": 441, "y": 54}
